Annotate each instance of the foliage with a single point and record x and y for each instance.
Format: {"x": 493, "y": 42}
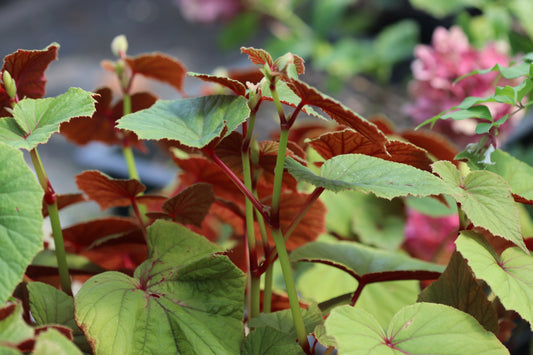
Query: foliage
{"x": 234, "y": 256}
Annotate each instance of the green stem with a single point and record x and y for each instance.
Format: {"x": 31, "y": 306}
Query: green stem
{"x": 254, "y": 291}
{"x": 283, "y": 257}
{"x": 278, "y": 173}
{"x": 126, "y": 149}
{"x": 267, "y": 290}
{"x": 130, "y": 162}
{"x": 53, "y": 213}
{"x": 277, "y": 235}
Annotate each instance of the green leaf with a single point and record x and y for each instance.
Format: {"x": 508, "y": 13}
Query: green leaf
{"x": 52, "y": 342}
{"x": 49, "y": 305}
{"x": 481, "y": 112}
{"x": 35, "y": 120}
{"x": 186, "y": 298}
{"x": 508, "y": 274}
{"x": 422, "y": 328}
{"x": 13, "y": 328}
{"x": 515, "y": 172}
{"x": 282, "y": 320}
{"x": 486, "y": 199}
{"x": 443, "y": 8}
{"x": 457, "y": 288}
{"x": 21, "y": 219}
{"x": 269, "y": 341}
{"x": 360, "y": 259}
{"x": 193, "y": 122}
{"x": 375, "y": 221}
{"x": 365, "y": 173}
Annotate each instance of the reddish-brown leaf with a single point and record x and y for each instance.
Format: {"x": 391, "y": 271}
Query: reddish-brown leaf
{"x": 65, "y": 200}
{"x": 237, "y": 87}
{"x": 436, "y": 144}
{"x": 87, "y": 234}
{"x": 348, "y": 141}
{"x": 106, "y": 191}
{"x": 27, "y": 68}
{"x": 251, "y": 74}
{"x": 199, "y": 169}
{"x": 160, "y": 67}
{"x": 384, "y": 124}
{"x": 190, "y": 206}
{"x": 124, "y": 257}
{"x": 339, "y": 113}
{"x": 101, "y": 126}
{"x": 258, "y": 56}
{"x": 310, "y": 227}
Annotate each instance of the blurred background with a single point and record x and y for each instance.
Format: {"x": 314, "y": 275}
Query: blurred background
{"x": 358, "y": 51}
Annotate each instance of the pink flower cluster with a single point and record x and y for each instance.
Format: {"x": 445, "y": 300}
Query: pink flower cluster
{"x": 430, "y": 238}
{"x": 208, "y": 11}
{"x": 435, "y": 69}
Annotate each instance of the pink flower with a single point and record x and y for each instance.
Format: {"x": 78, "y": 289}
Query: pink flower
{"x": 428, "y": 237}
{"x": 207, "y": 11}
{"x": 435, "y": 69}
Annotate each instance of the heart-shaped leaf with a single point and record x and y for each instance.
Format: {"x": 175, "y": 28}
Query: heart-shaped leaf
{"x": 422, "y": 328}
{"x": 35, "y": 120}
{"x": 508, "y": 274}
{"x": 456, "y": 287}
{"x": 186, "y": 298}
{"x": 108, "y": 192}
{"x": 193, "y": 122}
{"x": 21, "y": 221}
{"x": 365, "y": 173}
{"x": 486, "y": 199}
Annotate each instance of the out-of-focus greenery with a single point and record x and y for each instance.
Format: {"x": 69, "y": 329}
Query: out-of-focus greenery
{"x": 344, "y": 38}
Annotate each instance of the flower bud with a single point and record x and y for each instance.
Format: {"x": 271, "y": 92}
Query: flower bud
{"x": 9, "y": 84}
{"x": 119, "y": 45}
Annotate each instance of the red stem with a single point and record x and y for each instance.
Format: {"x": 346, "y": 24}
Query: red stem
{"x": 264, "y": 210}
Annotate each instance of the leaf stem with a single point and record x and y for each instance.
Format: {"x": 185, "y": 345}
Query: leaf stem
{"x": 264, "y": 210}
{"x": 283, "y": 257}
{"x": 254, "y": 291}
{"x": 303, "y": 210}
{"x": 277, "y": 235}
{"x": 53, "y": 213}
